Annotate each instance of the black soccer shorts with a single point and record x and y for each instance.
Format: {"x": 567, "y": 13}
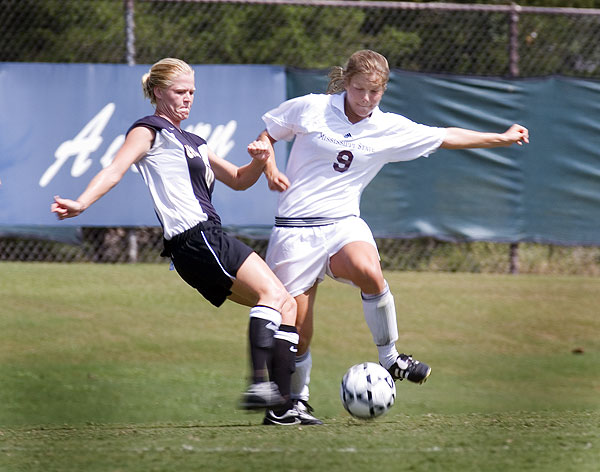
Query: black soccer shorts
{"x": 208, "y": 259}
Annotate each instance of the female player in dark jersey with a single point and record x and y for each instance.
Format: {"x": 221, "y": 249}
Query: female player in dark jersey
{"x": 179, "y": 170}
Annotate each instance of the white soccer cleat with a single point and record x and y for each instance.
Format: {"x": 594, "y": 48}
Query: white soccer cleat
{"x": 261, "y": 395}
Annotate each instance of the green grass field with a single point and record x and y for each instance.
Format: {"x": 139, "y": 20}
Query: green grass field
{"x": 125, "y": 368}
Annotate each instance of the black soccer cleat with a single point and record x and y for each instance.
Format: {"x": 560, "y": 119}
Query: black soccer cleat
{"x": 405, "y": 367}
{"x": 287, "y": 418}
{"x": 261, "y": 395}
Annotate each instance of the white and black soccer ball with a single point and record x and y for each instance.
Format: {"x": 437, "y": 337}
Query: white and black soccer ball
{"x": 367, "y": 390}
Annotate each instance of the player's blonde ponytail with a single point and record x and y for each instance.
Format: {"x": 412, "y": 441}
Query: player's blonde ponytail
{"x": 148, "y": 92}
{"x": 336, "y": 80}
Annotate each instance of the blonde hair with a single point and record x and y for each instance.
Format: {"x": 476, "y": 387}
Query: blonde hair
{"x": 361, "y": 62}
{"x": 162, "y": 74}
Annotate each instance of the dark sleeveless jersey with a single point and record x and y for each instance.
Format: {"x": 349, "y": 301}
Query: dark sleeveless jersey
{"x": 178, "y": 175}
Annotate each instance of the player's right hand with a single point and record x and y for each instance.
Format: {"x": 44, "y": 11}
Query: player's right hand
{"x": 277, "y": 180}
{"x": 65, "y": 208}
{"x": 259, "y": 150}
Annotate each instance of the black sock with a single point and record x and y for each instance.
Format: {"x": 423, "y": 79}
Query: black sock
{"x": 284, "y": 361}
{"x": 261, "y": 348}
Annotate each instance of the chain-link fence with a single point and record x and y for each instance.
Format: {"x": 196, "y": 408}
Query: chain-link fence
{"x": 499, "y": 40}
{"x": 118, "y": 245}
{"x": 485, "y": 40}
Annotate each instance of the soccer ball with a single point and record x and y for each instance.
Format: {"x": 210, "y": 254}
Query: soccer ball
{"x": 367, "y": 390}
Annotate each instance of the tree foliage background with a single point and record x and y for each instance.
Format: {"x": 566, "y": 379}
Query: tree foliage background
{"x": 465, "y": 41}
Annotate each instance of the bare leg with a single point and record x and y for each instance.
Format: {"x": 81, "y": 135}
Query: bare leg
{"x": 255, "y": 284}
{"x": 359, "y": 262}
{"x": 304, "y": 324}
{"x": 304, "y": 317}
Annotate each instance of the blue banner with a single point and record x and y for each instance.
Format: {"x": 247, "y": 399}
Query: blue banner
{"x": 62, "y": 123}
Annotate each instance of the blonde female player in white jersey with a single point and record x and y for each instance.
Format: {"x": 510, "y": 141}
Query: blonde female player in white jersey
{"x": 342, "y": 140}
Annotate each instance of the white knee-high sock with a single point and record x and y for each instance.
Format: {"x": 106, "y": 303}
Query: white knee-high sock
{"x": 301, "y": 377}
{"x": 380, "y": 315}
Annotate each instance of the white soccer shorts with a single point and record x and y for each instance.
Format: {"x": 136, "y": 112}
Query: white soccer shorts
{"x": 299, "y": 256}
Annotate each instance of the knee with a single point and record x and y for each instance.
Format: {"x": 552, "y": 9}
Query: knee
{"x": 370, "y": 279}
{"x": 277, "y": 297}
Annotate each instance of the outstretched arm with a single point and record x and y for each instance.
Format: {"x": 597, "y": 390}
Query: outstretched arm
{"x": 460, "y": 138}
{"x": 137, "y": 143}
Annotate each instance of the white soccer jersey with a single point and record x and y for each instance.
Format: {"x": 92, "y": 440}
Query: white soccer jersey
{"x": 178, "y": 175}
{"x": 333, "y": 160}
